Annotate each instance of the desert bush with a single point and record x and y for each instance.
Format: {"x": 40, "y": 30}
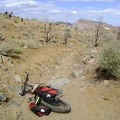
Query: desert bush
{"x": 109, "y": 59}
{"x": 17, "y": 50}
{"x": 26, "y": 34}
{"x": 20, "y": 42}
{"x": 118, "y": 35}
{"x": 28, "y": 44}
{"x": 33, "y": 44}
{"x": 15, "y": 21}
{"x": 9, "y": 49}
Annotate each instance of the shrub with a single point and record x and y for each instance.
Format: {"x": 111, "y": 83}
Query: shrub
{"x": 26, "y": 34}
{"x": 109, "y": 59}
{"x": 18, "y": 51}
{"x": 118, "y": 35}
{"x": 20, "y": 42}
{"x": 32, "y": 44}
{"x": 9, "y": 49}
{"x": 15, "y": 21}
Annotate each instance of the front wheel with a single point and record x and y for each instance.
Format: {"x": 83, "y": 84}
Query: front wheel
{"x": 60, "y": 106}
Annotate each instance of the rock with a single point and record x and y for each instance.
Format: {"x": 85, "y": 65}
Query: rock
{"x": 10, "y": 90}
{"x": 2, "y": 88}
{"x": 86, "y": 59}
{"x": 2, "y": 25}
{"x": 17, "y": 78}
{"x": 106, "y": 82}
{"x": 4, "y": 59}
{"x": 10, "y": 63}
{"x": 76, "y": 73}
{"x": 93, "y": 53}
{"x": 15, "y": 104}
{"x": 92, "y": 61}
{"x": 68, "y": 118}
{"x": 3, "y": 97}
{"x": 71, "y": 44}
{"x": 60, "y": 81}
{"x": 82, "y": 78}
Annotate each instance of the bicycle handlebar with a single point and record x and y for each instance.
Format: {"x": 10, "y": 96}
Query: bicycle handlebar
{"x": 25, "y": 84}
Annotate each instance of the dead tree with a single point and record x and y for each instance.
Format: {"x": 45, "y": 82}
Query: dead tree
{"x": 97, "y": 33}
{"x": 47, "y": 31}
{"x": 21, "y": 19}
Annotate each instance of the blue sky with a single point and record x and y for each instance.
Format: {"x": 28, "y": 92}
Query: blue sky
{"x": 65, "y": 10}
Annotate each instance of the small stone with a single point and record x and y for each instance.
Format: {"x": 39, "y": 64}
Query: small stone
{"x": 60, "y": 81}
{"x": 15, "y": 104}
{"x": 76, "y": 73}
{"x": 106, "y": 82}
{"x": 86, "y": 59}
{"x": 3, "y": 97}
{"x": 9, "y": 63}
{"x": 91, "y": 61}
{"x": 93, "y": 53}
{"x": 17, "y": 78}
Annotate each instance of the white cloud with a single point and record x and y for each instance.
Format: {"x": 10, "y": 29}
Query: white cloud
{"x": 23, "y": 3}
{"x": 25, "y": 8}
{"x": 54, "y": 11}
{"x": 18, "y": 3}
{"x": 104, "y": 12}
{"x": 74, "y": 12}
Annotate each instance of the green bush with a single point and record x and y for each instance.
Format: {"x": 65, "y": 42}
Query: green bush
{"x": 18, "y": 51}
{"x": 32, "y": 44}
{"x": 20, "y": 42}
{"x": 9, "y": 49}
{"x": 109, "y": 59}
{"x": 15, "y": 21}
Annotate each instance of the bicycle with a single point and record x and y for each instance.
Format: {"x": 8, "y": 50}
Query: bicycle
{"x": 47, "y": 96}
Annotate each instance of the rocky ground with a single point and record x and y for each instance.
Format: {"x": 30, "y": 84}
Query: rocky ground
{"x": 89, "y": 99}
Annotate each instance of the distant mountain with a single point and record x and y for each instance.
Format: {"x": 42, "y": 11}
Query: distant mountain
{"x": 62, "y": 22}
{"x": 89, "y": 24}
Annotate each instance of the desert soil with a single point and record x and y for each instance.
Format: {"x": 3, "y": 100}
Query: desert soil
{"x": 89, "y": 99}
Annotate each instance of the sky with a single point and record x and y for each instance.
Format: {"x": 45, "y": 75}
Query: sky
{"x": 65, "y": 10}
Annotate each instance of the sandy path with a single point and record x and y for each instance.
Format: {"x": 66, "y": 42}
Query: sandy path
{"x": 89, "y": 101}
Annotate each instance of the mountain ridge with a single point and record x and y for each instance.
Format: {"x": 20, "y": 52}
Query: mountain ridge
{"x": 90, "y": 24}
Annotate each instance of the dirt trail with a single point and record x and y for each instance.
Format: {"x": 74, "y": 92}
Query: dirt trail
{"x": 89, "y": 100}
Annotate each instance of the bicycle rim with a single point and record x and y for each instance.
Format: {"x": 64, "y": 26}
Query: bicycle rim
{"x": 63, "y": 106}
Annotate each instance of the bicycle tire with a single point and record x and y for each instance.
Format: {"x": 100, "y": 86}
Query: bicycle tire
{"x": 65, "y": 109}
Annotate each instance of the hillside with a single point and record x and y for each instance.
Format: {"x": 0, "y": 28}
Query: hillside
{"x": 23, "y": 47}
{"x": 89, "y": 24}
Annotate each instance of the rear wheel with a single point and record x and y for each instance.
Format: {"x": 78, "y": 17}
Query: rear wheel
{"x": 59, "y": 106}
